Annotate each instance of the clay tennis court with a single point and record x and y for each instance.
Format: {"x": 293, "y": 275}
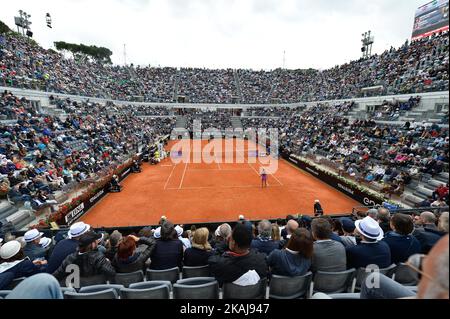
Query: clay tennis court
{"x": 204, "y": 191}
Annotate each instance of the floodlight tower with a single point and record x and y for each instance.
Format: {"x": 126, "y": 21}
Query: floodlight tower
{"x": 23, "y": 21}
{"x": 367, "y": 42}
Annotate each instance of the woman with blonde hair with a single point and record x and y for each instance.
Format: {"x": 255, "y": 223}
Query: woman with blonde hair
{"x": 276, "y": 232}
{"x": 200, "y": 251}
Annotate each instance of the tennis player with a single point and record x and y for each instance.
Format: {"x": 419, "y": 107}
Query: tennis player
{"x": 263, "y": 178}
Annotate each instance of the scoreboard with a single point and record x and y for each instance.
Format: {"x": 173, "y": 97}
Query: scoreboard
{"x": 430, "y": 18}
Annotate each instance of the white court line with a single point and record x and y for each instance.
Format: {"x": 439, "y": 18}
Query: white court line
{"x": 165, "y": 185}
{"x": 256, "y": 171}
{"x": 273, "y": 175}
{"x": 216, "y": 187}
{"x": 182, "y": 178}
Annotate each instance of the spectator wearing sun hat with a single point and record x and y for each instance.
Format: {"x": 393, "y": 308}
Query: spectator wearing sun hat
{"x": 33, "y": 249}
{"x": 14, "y": 262}
{"x": 186, "y": 242}
{"x": 371, "y": 250}
{"x": 67, "y": 246}
{"x": 90, "y": 261}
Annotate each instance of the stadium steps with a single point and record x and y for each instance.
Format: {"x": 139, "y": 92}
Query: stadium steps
{"x": 20, "y": 218}
{"x": 422, "y": 192}
{"x": 411, "y": 200}
{"x": 238, "y": 85}
{"x": 6, "y": 209}
{"x": 443, "y": 177}
{"x": 236, "y": 122}
{"x": 181, "y": 122}
{"x": 432, "y": 184}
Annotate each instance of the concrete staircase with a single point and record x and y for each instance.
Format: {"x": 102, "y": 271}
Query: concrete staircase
{"x": 238, "y": 85}
{"x": 17, "y": 217}
{"x": 418, "y": 191}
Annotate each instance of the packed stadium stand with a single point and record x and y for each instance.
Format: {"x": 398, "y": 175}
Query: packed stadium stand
{"x": 65, "y": 124}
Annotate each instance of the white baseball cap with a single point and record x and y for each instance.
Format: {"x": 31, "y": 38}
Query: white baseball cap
{"x": 78, "y": 229}
{"x": 10, "y": 249}
{"x": 32, "y": 235}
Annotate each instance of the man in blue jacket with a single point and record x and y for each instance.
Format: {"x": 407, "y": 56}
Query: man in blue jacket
{"x": 371, "y": 250}
{"x": 264, "y": 243}
{"x": 400, "y": 240}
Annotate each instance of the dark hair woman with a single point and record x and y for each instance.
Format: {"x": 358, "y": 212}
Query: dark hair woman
{"x": 295, "y": 259}
{"x": 168, "y": 252}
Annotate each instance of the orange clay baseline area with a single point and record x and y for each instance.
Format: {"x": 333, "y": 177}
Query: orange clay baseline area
{"x": 205, "y": 191}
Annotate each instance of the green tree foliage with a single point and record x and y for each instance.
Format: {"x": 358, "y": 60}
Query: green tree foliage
{"x": 4, "y": 28}
{"x": 100, "y": 54}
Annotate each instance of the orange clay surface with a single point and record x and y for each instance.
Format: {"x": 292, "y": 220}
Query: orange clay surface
{"x": 214, "y": 191}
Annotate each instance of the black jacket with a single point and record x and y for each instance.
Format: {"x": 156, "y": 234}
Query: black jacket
{"x": 228, "y": 267}
{"x": 137, "y": 261}
{"x": 167, "y": 254}
{"x": 194, "y": 257}
{"x": 91, "y": 263}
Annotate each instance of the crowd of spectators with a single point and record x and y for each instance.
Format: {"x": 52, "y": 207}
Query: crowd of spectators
{"x": 242, "y": 255}
{"x": 371, "y": 152}
{"x": 420, "y": 66}
{"x": 207, "y": 86}
{"x": 41, "y": 154}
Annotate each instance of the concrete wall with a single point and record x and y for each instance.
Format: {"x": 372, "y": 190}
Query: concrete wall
{"x": 428, "y": 99}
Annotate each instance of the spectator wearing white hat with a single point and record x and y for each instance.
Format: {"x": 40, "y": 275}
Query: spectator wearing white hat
{"x": 186, "y": 242}
{"x": 371, "y": 250}
{"x": 67, "y": 246}
{"x": 14, "y": 263}
{"x": 33, "y": 249}
{"x": 220, "y": 242}
{"x": 88, "y": 258}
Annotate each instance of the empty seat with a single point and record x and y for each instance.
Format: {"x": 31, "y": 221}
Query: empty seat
{"x": 95, "y": 288}
{"x": 258, "y": 291}
{"x": 281, "y": 287}
{"x": 361, "y": 274}
{"x": 199, "y": 271}
{"x": 332, "y": 282}
{"x": 405, "y": 275}
{"x": 87, "y": 281}
{"x": 102, "y": 294}
{"x": 345, "y": 296}
{"x": 196, "y": 288}
{"x": 126, "y": 279}
{"x": 147, "y": 290}
{"x": 171, "y": 275}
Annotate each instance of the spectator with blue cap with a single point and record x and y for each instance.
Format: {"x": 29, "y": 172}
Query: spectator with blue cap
{"x": 348, "y": 226}
{"x": 67, "y": 246}
{"x": 33, "y": 249}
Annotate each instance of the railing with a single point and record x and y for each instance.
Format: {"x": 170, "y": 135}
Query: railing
{"x": 409, "y": 211}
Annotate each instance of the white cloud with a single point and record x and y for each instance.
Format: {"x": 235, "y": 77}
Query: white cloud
{"x": 223, "y": 33}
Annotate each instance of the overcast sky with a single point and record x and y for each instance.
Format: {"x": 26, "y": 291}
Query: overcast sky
{"x": 222, "y": 33}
